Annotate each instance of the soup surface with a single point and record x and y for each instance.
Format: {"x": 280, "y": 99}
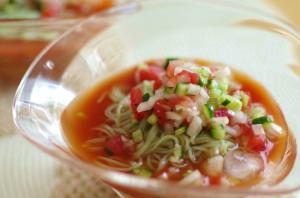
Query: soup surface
{"x": 185, "y": 120}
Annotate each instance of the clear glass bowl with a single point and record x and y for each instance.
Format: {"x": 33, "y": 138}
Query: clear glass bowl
{"x": 262, "y": 46}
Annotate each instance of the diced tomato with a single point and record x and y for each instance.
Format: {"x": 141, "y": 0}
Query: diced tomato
{"x": 115, "y": 146}
{"x": 160, "y": 108}
{"x": 152, "y": 73}
{"x": 52, "y": 8}
{"x": 172, "y": 65}
{"x": 257, "y": 143}
{"x": 246, "y": 129}
{"x": 215, "y": 181}
{"x": 184, "y": 100}
{"x": 136, "y": 98}
{"x": 187, "y": 77}
{"x": 223, "y": 112}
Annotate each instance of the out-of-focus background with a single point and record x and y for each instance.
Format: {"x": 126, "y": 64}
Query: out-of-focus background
{"x": 25, "y": 171}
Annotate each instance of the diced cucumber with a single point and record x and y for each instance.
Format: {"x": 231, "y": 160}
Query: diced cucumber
{"x": 218, "y": 131}
{"x": 234, "y": 103}
{"x": 215, "y": 93}
{"x": 208, "y": 111}
{"x": 256, "y": 112}
{"x": 144, "y": 172}
{"x": 152, "y": 119}
{"x": 147, "y": 86}
{"x": 262, "y": 120}
{"x": 244, "y": 98}
{"x": 180, "y": 130}
{"x": 168, "y": 60}
{"x": 138, "y": 135}
{"x": 204, "y": 74}
{"x": 168, "y": 90}
{"x": 146, "y": 97}
{"x": 213, "y": 84}
{"x": 223, "y": 84}
{"x": 181, "y": 89}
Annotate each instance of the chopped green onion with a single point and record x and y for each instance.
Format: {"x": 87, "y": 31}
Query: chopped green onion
{"x": 208, "y": 111}
{"x": 168, "y": 60}
{"x": 152, "y": 119}
{"x": 180, "y": 130}
{"x": 262, "y": 120}
{"x": 218, "y": 131}
{"x": 138, "y": 135}
{"x": 181, "y": 89}
{"x": 146, "y": 97}
{"x": 144, "y": 172}
{"x": 225, "y": 102}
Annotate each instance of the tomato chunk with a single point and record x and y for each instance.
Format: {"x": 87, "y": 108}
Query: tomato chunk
{"x": 115, "y": 146}
{"x": 152, "y": 73}
{"x": 257, "y": 143}
{"x": 223, "y": 112}
{"x": 136, "y": 98}
{"x": 160, "y": 108}
{"x": 187, "y": 77}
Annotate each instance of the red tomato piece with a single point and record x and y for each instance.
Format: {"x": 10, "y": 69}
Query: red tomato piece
{"x": 246, "y": 130}
{"x": 160, "y": 108}
{"x": 215, "y": 181}
{"x": 223, "y": 112}
{"x": 152, "y": 73}
{"x": 172, "y": 65}
{"x": 52, "y": 8}
{"x": 136, "y": 97}
{"x": 257, "y": 143}
{"x": 115, "y": 146}
{"x": 187, "y": 77}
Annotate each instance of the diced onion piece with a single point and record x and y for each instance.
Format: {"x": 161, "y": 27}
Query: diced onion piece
{"x": 214, "y": 166}
{"x": 223, "y": 73}
{"x": 173, "y": 116}
{"x": 194, "y": 89}
{"x": 195, "y": 126}
{"x": 234, "y": 131}
{"x": 240, "y": 118}
{"x": 273, "y": 131}
{"x": 145, "y": 106}
{"x": 194, "y": 178}
{"x": 242, "y": 165}
{"x": 220, "y": 120}
{"x": 258, "y": 129}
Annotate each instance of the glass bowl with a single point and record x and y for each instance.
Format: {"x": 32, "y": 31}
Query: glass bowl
{"x": 260, "y": 45}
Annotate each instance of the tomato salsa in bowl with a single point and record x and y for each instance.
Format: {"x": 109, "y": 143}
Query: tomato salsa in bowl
{"x": 199, "y": 105}
{"x": 189, "y": 121}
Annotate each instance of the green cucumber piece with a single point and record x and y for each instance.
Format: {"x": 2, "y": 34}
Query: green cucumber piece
{"x": 180, "y": 130}
{"x": 181, "y": 89}
{"x": 218, "y": 131}
{"x": 208, "y": 111}
{"x": 152, "y": 119}
{"x": 138, "y": 135}
{"x": 234, "y": 103}
{"x": 144, "y": 172}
